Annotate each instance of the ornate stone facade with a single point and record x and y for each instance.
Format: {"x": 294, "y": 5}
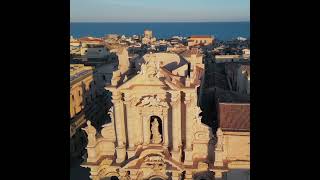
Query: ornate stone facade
{"x": 156, "y": 130}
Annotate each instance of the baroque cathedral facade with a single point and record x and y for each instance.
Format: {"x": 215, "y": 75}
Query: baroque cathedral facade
{"x": 155, "y": 130}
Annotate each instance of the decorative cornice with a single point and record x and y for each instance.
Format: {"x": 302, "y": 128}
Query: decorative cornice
{"x": 116, "y": 97}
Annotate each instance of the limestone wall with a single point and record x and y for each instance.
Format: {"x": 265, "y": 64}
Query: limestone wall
{"x": 236, "y": 146}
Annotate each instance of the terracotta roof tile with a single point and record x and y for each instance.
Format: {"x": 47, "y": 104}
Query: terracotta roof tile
{"x": 234, "y": 117}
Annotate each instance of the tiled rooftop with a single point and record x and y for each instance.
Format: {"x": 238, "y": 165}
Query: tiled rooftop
{"x": 234, "y": 116}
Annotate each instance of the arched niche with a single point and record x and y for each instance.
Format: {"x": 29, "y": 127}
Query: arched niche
{"x": 146, "y": 114}
{"x": 159, "y": 129}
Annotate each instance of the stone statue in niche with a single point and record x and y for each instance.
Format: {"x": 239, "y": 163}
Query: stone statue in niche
{"x": 156, "y": 136}
{"x": 91, "y": 132}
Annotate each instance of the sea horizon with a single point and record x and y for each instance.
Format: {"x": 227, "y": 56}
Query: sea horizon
{"x": 160, "y": 22}
{"x": 220, "y": 30}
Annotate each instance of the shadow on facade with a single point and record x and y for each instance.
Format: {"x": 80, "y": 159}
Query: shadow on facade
{"x": 95, "y": 105}
{"x": 236, "y": 174}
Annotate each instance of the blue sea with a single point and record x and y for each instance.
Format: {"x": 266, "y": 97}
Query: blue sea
{"x": 220, "y": 30}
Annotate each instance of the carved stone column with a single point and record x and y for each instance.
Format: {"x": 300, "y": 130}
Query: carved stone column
{"x": 165, "y": 129}
{"x": 189, "y": 131}
{"x": 140, "y": 129}
{"x": 176, "y": 126}
{"x": 120, "y": 128}
{"x": 146, "y": 130}
{"x": 130, "y": 121}
{"x": 131, "y": 124}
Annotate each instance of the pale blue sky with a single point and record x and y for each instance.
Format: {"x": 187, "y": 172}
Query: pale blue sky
{"x": 159, "y": 10}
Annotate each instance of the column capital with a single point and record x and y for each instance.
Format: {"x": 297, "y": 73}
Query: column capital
{"x": 175, "y": 97}
{"x": 116, "y": 96}
{"x": 130, "y": 100}
{"x": 189, "y": 96}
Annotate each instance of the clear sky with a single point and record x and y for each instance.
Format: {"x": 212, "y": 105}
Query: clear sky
{"x": 159, "y": 10}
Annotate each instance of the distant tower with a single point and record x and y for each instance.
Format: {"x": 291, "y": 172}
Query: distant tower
{"x": 148, "y": 33}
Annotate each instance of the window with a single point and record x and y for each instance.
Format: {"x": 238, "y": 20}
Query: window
{"x": 72, "y": 97}
{"x": 79, "y": 93}
{"x": 99, "y": 50}
{"x": 104, "y": 77}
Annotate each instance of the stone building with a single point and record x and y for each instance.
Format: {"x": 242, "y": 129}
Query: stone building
{"x": 200, "y": 40}
{"x": 148, "y": 38}
{"x": 90, "y": 40}
{"x": 233, "y": 147}
{"x": 93, "y": 51}
{"x": 148, "y": 33}
{"x": 156, "y": 130}
{"x": 84, "y": 105}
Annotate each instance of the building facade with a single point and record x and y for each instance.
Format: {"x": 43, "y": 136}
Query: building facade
{"x": 84, "y": 105}
{"x": 233, "y": 144}
{"x": 93, "y": 51}
{"x": 156, "y": 130}
{"x": 200, "y": 40}
{"x": 148, "y": 38}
